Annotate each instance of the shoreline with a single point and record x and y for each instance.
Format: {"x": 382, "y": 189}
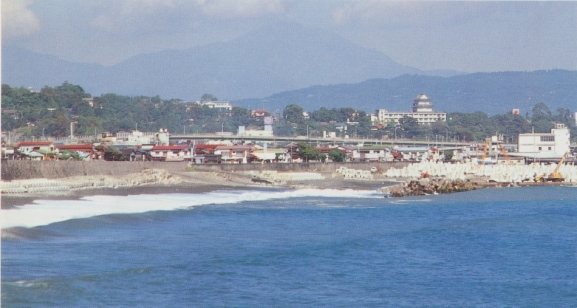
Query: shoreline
{"x": 176, "y": 182}
{"x": 155, "y": 181}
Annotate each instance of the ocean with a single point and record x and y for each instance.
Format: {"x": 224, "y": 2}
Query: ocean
{"x": 513, "y": 247}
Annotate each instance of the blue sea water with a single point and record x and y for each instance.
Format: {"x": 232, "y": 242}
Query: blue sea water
{"x": 513, "y": 247}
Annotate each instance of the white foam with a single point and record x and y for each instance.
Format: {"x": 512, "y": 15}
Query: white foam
{"x": 44, "y": 212}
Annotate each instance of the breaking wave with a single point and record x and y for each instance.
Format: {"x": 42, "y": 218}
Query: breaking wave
{"x": 45, "y": 212}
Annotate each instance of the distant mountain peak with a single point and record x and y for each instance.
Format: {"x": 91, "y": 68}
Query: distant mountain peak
{"x": 280, "y": 56}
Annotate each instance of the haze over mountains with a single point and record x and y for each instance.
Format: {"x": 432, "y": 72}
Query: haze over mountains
{"x": 491, "y": 93}
{"x": 269, "y": 60}
{"x": 289, "y": 64}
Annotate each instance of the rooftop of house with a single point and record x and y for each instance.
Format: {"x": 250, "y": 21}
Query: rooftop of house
{"x": 168, "y": 147}
{"x": 75, "y": 146}
{"x": 33, "y": 143}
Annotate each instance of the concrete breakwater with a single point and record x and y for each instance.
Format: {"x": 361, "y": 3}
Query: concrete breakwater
{"x": 431, "y": 187}
{"x": 502, "y": 173}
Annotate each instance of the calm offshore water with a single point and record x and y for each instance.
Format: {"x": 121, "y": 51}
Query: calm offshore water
{"x": 492, "y": 248}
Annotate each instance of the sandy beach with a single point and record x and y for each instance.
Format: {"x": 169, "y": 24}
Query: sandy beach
{"x": 161, "y": 181}
{"x": 180, "y": 182}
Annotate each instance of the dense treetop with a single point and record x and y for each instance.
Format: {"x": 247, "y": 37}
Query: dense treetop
{"x": 50, "y": 111}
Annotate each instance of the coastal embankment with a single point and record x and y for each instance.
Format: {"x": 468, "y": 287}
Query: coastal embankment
{"x": 23, "y": 180}
{"x": 27, "y": 169}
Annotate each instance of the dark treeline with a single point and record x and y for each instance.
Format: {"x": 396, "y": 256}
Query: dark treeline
{"x": 50, "y": 111}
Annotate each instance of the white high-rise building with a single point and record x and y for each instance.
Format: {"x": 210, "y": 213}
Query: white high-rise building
{"x": 422, "y": 111}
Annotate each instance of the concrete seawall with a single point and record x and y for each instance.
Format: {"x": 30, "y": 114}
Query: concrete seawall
{"x": 25, "y": 169}
{"x": 22, "y": 169}
{"x": 300, "y": 167}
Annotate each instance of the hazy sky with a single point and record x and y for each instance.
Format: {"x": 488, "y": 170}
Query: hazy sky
{"x": 464, "y": 36}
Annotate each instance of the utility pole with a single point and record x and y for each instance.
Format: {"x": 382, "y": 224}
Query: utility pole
{"x": 72, "y": 129}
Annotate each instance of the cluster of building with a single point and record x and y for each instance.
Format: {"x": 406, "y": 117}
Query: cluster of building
{"x": 137, "y": 147}
{"x": 531, "y": 147}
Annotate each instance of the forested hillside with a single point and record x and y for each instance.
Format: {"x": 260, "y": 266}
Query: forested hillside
{"x": 491, "y": 93}
{"x": 50, "y": 111}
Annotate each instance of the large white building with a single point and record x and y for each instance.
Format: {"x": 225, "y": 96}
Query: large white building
{"x": 550, "y": 145}
{"x": 217, "y": 105}
{"x": 422, "y": 111}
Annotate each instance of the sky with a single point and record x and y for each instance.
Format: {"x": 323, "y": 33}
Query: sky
{"x": 466, "y": 36}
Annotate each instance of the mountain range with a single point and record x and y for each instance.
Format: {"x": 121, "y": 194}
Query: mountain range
{"x": 272, "y": 59}
{"x": 492, "y": 93}
{"x": 286, "y": 63}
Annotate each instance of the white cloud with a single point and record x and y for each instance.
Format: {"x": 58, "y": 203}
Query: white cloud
{"x": 240, "y": 9}
{"x": 374, "y": 12}
{"x": 17, "y": 19}
{"x": 114, "y": 16}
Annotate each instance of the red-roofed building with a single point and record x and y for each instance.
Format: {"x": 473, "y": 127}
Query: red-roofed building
{"x": 204, "y": 153}
{"x": 205, "y": 148}
{"x": 35, "y": 150}
{"x": 29, "y": 146}
{"x": 234, "y": 154}
{"x": 259, "y": 113}
{"x": 169, "y": 153}
{"x": 85, "y": 150}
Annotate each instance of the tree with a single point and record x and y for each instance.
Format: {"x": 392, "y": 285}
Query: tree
{"x": 308, "y": 152}
{"x": 293, "y": 113}
{"x": 347, "y": 115}
{"x": 337, "y": 155}
{"x": 8, "y": 122}
{"x": 541, "y": 112}
{"x": 364, "y": 120}
{"x": 283, "y": 129}
{"x": 323, "y": 115}
{"x": 112, "y": 153}
{"x": 58, "y": 127}
{"x": 411, "y": 127}
{"x": 511, "y": 125}
{"x": 208, "y": 98}
{"x": 564, "y": 116}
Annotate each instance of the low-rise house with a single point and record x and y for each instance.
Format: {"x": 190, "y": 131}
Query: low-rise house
{"x": 293, "y": 152}
{"x": 270, "y": 155}
{"x": 415, "y": 153}
{"x": 85, "y": 151}
{"x": 367, "y": 155}
{"x": 204, "y": 154}
{"x": 7, "y": 152}
{"x": 258, "y": 113}
{"x": 327, "y": 150}
{"x": 36, "y": 150}
{"x": 169, "y": 153}
{"x": 235, "y": 154}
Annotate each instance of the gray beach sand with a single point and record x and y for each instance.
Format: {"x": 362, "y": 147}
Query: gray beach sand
{"x": 188, "y": 182}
